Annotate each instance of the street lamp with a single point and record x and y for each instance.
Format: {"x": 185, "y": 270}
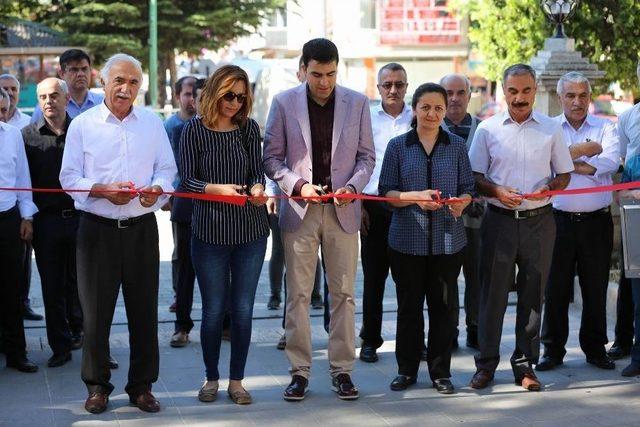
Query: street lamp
{"x": 558, "y": 12}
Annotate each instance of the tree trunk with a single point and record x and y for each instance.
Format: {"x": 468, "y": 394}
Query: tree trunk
{"x": 162, "y": 79}
{"x": 173, "y": 75}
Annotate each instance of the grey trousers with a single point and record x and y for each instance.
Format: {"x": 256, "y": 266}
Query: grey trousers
{"x": 108, "y": 257}
{"x": 506, "y": 243}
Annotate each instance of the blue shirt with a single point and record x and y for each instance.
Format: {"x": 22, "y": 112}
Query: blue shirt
{"x": 407, "y": 167}
{"x": 631, "y": 171}
{"x": 181, "y": 208}
{"x": 73, "y": 109}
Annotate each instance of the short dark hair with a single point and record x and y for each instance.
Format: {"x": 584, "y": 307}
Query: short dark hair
{"x": 73, "y": 55}
{"x": 518, "y": 70}
{"x": 321, "y": 50}
{"x": 199, "y": 84}
{"x": 181, "y": 81}
{"x": 427, "y": 88}
{"x": 391, "y": 66}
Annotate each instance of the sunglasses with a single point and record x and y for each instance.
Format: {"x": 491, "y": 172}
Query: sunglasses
{"x": 389, "y": 85}
{"x": 230, "y": 96}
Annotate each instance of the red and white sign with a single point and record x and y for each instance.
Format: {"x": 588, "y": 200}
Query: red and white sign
{"x": 418, "y": 22}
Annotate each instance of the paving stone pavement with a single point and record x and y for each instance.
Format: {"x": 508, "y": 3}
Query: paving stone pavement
{"x": 574, "y": 394}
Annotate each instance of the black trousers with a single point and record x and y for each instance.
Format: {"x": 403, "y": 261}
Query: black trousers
{"x": 25, "y": 276}
{"x": 375, "y": 267}
{"x": 624, "y": 310}
{"x": 107, "y": 258}
{"x": 55, "y": 247}
{"x": 436, "y": 278}
{"x": 11, "y": 304}
{"x": 185, "y": 276}
{"x": 583, "y": 246}
{"x": 508, "y": 242}
{"x": 471, "y": 271}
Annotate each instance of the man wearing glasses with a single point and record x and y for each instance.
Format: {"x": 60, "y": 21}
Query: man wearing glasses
{"x": 388, "y": 120}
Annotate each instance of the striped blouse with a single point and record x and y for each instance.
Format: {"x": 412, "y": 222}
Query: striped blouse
{"x": 220, "y": 158}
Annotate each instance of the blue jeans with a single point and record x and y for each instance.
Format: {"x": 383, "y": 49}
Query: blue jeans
{"x": 635, "y": 350}
{"x": 212, "y": 264}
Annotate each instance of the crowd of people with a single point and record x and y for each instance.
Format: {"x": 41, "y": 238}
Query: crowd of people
{"x": 323, "y": 146}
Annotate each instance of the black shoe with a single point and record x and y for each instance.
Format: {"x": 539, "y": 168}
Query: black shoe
{"x": 343, "y": 385}
{"x": 402, "y": 382}
{"x": 602, "y": 362}
{"x": 29, "y": 314}
{"x": 424, "y": 355}
{"x": 547, "y": 363}
{"x": 23, "y": 365}
{"x": 113, "y": 363}
{"x": 58, "y": 359}
{"x": 274, "y": 303}
{"x": 618, "y": 351}
{"x": 77, "y": 339}
{"x": 316, "y": 302}
{"x": 631, "y": 371}
{"x": 368, "y": 354}
{"x": 443, "y": 386}
{"x": 282, "y": 342}
{"x": 297, "y": 389}
{"x": 472, "y": 340}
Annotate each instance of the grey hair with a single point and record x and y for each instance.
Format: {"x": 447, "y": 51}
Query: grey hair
{"x": 464, "y": 78}
{"x": 61, "y": 83}
{"x": 11, "y": 77}
{"x": 391, "y": 66}
{"x": 518, "y": 70}
{"x": 114, "y": 59}
{"x": 572, "y": 77}
{"x": 5, "y": 95}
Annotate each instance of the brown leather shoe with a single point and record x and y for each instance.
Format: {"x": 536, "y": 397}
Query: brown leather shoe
{"x": 529, "y": 382}
{"x": 96, "y": 403}
{"x": 481, "y": 379}
{"x": 145, "y": 402}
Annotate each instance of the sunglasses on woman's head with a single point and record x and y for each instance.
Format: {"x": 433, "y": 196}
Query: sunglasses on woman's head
{"x": 240, "y": 97}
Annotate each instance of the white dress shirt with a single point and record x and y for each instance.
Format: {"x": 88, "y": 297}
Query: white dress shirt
{"x": 629, "y": 132}
{"x": 524, "y": 155}
{"x": 19, "y": 119}
{"x": 14, "y": 172}
{"x": 606, "y": 163}
{"x": 385, "y": 127}
{"x": 100, "y": 149}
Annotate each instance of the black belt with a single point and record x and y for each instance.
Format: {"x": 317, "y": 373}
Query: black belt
{"x": 120, "y": 222}
{"x": 8, "y": 212}
{"x": 581, "y": 216}
{"x": 521, "y": 214}
{"x": 63, "y": 213}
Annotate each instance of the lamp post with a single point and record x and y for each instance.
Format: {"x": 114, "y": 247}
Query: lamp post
{"x": 153, "y": 52}
{"x": 558, "y": 12}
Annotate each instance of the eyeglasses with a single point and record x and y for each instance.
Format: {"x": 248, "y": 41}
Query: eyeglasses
{"x": 389, "y": 85}
{"x": 230, "y": 96}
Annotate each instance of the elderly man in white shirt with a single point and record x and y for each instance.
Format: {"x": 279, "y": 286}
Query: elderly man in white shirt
{"x": 584, "y": 230}
{"x": 121, "y": 156}
{"x": 15, "y": 117}
{"x": 16, "y": 214}
{"x": 388, "y": 120}
{"x": 518, "y": 152}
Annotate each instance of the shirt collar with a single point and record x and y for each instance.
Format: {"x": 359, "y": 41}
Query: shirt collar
{"x": 405, "y": 110}
{"x": 506, "y": 117}
{"x": 41, "y": 124}
{"x": 590, "y": 121}
{"x": 466, "y": 121}
{"x": 89, "y": 100}
{"x": 412, "y": 137}
{"x": 331, "y": 99}
{"x": 105, "y": 113}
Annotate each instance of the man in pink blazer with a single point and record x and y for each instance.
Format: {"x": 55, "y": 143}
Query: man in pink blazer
{"x": 318, "y": 139}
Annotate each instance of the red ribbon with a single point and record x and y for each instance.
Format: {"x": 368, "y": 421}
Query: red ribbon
{"x": 241, "y": 200}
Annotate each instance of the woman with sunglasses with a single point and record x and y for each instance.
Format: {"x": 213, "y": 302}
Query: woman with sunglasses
{"x": 221, "y": 155}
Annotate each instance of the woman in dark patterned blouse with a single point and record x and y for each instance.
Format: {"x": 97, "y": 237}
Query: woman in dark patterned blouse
{"x": 220, "y": 154}
{"x": 426, "y": 238}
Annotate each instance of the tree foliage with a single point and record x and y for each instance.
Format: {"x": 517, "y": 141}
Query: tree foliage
{"x": 607, "y": 32}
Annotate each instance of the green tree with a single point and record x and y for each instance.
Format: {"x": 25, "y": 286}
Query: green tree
{"x": 109, "y": 26}
{"x": 607, "y": 32}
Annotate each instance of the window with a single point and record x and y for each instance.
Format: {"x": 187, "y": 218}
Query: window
{"x": 367, "y": 13}
{"x": 279, "y": 17}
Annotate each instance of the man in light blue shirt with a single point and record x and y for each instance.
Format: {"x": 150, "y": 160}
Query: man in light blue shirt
{"x": 75, "y": 69}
